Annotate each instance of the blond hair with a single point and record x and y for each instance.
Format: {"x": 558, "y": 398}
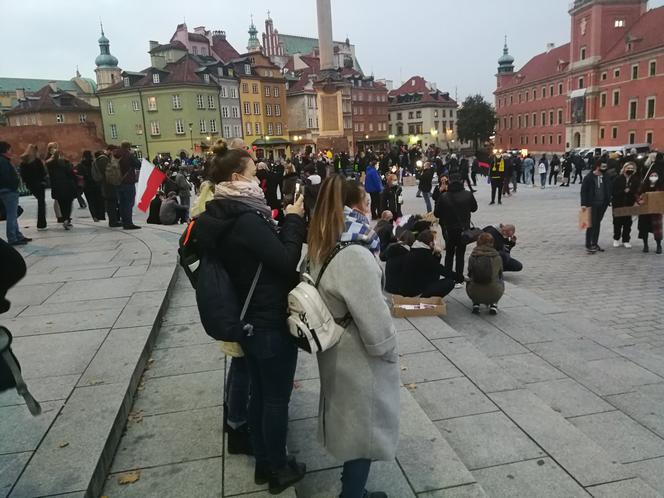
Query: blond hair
{"x": 327, "y": 222}
{"x": 29, "y": 150}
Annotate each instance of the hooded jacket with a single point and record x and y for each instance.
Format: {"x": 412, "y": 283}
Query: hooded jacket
{"x": 454, "y": 207}
{"x": 421, "y": 268}
{"x": 486, "y": 293}
{"x": 372, "y": 183}
{"x": 243, "y": 238}
{"x": 394, "y": 256}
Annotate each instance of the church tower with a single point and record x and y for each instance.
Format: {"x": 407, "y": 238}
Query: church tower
{"x": 107, "y": 70}
{"x": 505, "y": 66}
{"x": 254, "y": 45}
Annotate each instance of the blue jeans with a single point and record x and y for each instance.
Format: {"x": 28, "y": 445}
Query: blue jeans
{"x": 354, "y": 478}
{"x": 126, "y": 198}
{"x": 236, "y": 396}
{"x": 10, "y": 200}
{"x": 427, "y": 200}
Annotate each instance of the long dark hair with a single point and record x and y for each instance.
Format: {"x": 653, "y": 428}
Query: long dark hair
{"x": 225, "y": 162}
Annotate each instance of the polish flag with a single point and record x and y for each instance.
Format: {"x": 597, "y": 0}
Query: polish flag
{"x": 149, "y": 181}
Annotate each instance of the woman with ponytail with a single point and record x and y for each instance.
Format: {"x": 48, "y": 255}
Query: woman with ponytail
{"x": 238, "y": 228}
{"x": 359, "y": 405}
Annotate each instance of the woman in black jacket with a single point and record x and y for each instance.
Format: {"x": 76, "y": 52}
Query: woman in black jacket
{"x": 63, "y": 183}
{"x": 391, "y": 197}
{"x": 422, "y": 270}
{"x": 237, "y": 225}
{"x": 554, "y": 169}
{"x": 33, "y": 174}
{"x": 91, "y": 188}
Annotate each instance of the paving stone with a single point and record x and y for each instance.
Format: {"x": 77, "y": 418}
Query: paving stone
{"x": 182, "y": 335}
{"x": 527, "y": 329}
{"x": 68, "y": 353}
{"x": 542, "y": 306}
{"x": 43, "y": 389}
{"x": 425, "y": 367}
{"x": 158, "y": 277}
{"x": 412, "y": 341}
{"x": 131, "y": 271}
{"x": 488, "y": 439}
{"x": 182, "y": 316}
{"x": 568, "y": 397}
{"x": 304, "y": 400}
{"x": 307, "y": 367}
{"x": 449, "y": 398}
{"x": 73, "y": 260}
{"x": 647, "y": 359}
{"x": 587, "y": 462}
{"x": 626, "y": 440}
{"x": 200, "y": 479}
{"x": 32, "y": 294}
{"x": 474, "y": 364}
{"x": 424, "y": 455}
{"x": 190, "y": 359}
{"x": 467, "y": 491}
{"x": 289, "y": 493}
{"x": 432, "y": 327}
{"x": 170, "y": 438}
{"x": 559, "y": 351}
{"x": 528, "y": 368}
{"x": 183, "y": 299}
{"x": 100, "y": 289}
{"x": 62, "y": 322}
{"x": 540, "y": 478}
{"x": 81, "y": 306}
{"x": 239, "y": 475}
{"x": 84, "y": 424}
{"x": 402, "y": 324}
{"x": 73, "y": 274}
{"x": 10, "y": 468}
{"x": 180, "y": 393}
{"x": 651, "y": 471}
{"x": 631, "y": 488}
{"x": 138, "y": 316}
{"x": 303, "y": 444}
{"x": 643, "y": 405}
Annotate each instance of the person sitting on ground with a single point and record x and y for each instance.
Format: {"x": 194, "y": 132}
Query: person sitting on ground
{"x": 485, "y": 273}
{"x": 394, "y": 256}
{"x": 504, "y": 240}
{"x": 422, "y": 270}
{"x": 171, "y": 211}
{"x": 385, "y": 230}
{"x": 155, "y": 208}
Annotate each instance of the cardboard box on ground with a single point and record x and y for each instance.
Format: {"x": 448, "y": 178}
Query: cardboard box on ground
{"x": 653, "y": 204}
{"x": 403, "y": 307}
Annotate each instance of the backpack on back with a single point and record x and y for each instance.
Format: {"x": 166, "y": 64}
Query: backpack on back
{"x": 113, "y": 172}
{"x": 482, "y": 270}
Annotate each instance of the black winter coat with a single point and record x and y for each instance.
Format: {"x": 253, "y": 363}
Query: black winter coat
{"x": 454, "y": 207}
{"x": 389, "y": 201}
{"x": 394, "y": 256}
{"x": 385, "y": 231}
{"x": 63, "y": 179}
{"x": 588, "y": 190}
{"x": 34, "y": 174}
{"x": 8, "y": 174}
{"x": 426, "y": 181}
{"x": 244, "y": 238}
{"x": 620, "y": 197}
{"x": 421, "y": 268}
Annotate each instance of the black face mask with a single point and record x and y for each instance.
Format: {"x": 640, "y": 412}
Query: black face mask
{"x": 629, "y": 173}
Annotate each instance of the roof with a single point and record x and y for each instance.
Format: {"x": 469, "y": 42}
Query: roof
{"x": 294, "y": 44}
{"x": 302, "y": 82}
{"x": 45, "y": 99}
{"x": 224, "y": 49}
{"x": 198, "y": 37}
{"x": 418, "y": 86}
{"x": 176, "y": 44}
{"x": 540, "y": 67}
{"x": 645, "y": 34}
{"x": 33, "y": 85}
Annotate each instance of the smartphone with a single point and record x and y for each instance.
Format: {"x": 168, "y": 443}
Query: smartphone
{"x": 299, "y": 191}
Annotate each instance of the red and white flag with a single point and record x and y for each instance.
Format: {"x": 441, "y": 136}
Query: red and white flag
{"x": 149, "y": 181}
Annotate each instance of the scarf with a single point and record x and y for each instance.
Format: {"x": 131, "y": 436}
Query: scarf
{"x": 358, "y": 230}
{"x": 248, "y": 193}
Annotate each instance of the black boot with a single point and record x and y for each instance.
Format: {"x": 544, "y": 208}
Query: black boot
{"x": 261, "y": 473}
{"x": 645, "y": 246}
{"x": 238, "y": 441}
{"x": 285, "y": 477}
{"x": 659, "y": 247}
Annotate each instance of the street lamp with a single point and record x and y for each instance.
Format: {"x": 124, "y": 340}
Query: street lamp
{"x": 391, "y": 136}
{"x": 366, "y": 137}
{"x": 191, "y": 136}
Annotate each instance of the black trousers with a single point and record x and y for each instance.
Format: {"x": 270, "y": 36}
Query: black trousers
{"x": 455, "y": 249}
{"x": 622, "y": 228}
{"x": 38, "y": 192}
{"x": 577, "y": 174}
{"x": 592, "y": 233}
{"x": 95, "y": 202}
{"x": 473, "y": 177}
{"x": 496, "y": 186}
{"x": 65, "y": 204}
{"x": 375, "y": 204}
{"x": 111, "y": 205}
{"x": 553, "y": 176}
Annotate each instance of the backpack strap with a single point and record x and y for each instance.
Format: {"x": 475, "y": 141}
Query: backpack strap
{"x": 10, "y": 360}
{"x": 248, "y": 328}
{"x": 346, "y": 319}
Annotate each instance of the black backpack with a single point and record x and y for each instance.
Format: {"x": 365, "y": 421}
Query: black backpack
{"x": 482, "y": 270}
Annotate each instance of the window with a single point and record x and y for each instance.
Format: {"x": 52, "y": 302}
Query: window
{"x": 254, "y": 88}
{"x": 224, "y": 112}
{"x": 237, "y": 131}
{"x": 248, "y": 128}
{"x": 202, "y": 126}
{"x": 633, "y": 106}
{"x": 582, "y": 83}
{"x": 652, "y": 68}
{"x": 534, "y": 119}
{"x": 135, "y": 106}
{"x": 235, "y": 112}
{"x": 535, "y": 94}
{"x": 211, "y": 102}
{"x": 410, "y": 115}
{"x": 213, "y": 126}
{"x": 550, "y": 118}
{"x": 233, "y": 93}
{"x": 268, "y": 109}
{"x": 527, "y": 120}
{"x": 310, "y": 122}
{"x": 543, "y": 140}
{"x": 227, "y": 131}
{"x": 619, "y": 23}
{"x": 277, "y": 109}
{"x": 257, "y": 108}
{"x": 560, "y": 139}
{"x": 267, "y": 91}
{"x": 616, "y": 98}
{"x": 616, "y": 73}
{"x": 518, "y": 121}
{"x": 152, "y": 103}
{"x": 535, "y": 139}
{"x": 179, "y": 127}
{"x": 114, "y": 131}
{"x": 206, "y": 78}
{"x": 258, "y": 128}
{"x": 650, "y": 108}
{"x": 632, "y": 137}
{"x": 245, "y": 87}
{"x": 199, "y": 101}
{"x": 511, "y": 122}
{"x": 223, "y": 92}
{"x": 635, "y": 72}
{"x": 550, "y": 90}
{"x": 418, "y": 114}
{"x": 126, "y": 81}
{"x": 195, "y": 50}
{"x": 399, "y": 116}
{"x": 154, "y": 128}
{"x": 583, "y": 53}
{"x": 614, "y": 132}
{"x": 278, "y": 128}
{"x": 560, "y": 116}
{"x": 270, "y": 129}
{"x": 543, "y": 122}
{"x": 602, "y": 133}
{"x": 247, "y": 108}
{"x": 511, "y": 99}
{"x": 82, "y": 118}
{"x": 177, "y": 104}
{"x": 602, "y": 99}
{"x": 649, "y": 137}
{"x": 550, "y": 139}
{"x": 155, "y": 78}
{"x": 604, "y": 76}
{"x": 247, "y": 69}
{"x": 109, "y": 106}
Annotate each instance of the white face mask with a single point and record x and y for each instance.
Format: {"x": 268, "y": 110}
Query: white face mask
{"x": 654, "y": 178}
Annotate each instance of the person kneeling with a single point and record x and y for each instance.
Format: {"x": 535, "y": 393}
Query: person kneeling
{"x": 485, "y": 271}
{"x": 394, "y": 257}
{"x": 422, "y": 270}
{"x": 171, "y": 211}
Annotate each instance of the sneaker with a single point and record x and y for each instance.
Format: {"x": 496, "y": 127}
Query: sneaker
{"x": 131, "y": 227}
{"x": 458, "y": 285}
{"x": 491, "y": 203}
{"x": 616, "y": 243}
{"x": 114, "y": 225}
{"x": 627, "y": 245}
{"x": 646, "y": 248}
{"x": 598, "y": 248}
{"x": 239, "y": 442}
{"x": 285, "y": 477}
{"x": 476, "y": 309}
{"x": 66, "y": 225}
{"x": 41, "y": 229}
{"x": 591, "y": 250}
{"x": 493, "y": 309}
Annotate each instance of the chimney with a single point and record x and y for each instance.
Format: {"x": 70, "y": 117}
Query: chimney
{"x": 20, "y": 94}
{"x": 550, "y": 47}
{"x": 153, "y": 44}
{"x": 53, "y": 85}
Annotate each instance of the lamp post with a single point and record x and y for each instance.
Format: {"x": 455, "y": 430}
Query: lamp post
{"x": 191, "y": 136}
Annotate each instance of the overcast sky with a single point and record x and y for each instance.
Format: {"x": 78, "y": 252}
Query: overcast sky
{"x": 453, "y": 43}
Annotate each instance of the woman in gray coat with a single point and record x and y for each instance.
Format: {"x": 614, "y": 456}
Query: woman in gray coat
{"x": 485, "y": 271}
{"x": 359, "y": 404}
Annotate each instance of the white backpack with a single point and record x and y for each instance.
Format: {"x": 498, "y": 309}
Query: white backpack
{"x": 309, "y": 320}
{"x": 542, "y": 168}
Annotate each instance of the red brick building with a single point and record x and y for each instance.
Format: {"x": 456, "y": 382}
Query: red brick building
{"x": 370, "y": 109}
{"x": 604, "y": 88}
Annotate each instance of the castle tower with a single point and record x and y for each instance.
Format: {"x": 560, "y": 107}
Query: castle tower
{"x": 254, "y": 45}
{"x": 505, "y": 66}
{"x": 107, "y": 70}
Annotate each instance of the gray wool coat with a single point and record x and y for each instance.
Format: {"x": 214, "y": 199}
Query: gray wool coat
{"x": 359, "y": 403}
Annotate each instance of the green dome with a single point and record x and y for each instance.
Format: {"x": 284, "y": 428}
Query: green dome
{"x": 103, "y": 40}
{"x": 106, "y": 60}
{"x": 506, "y": 59}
